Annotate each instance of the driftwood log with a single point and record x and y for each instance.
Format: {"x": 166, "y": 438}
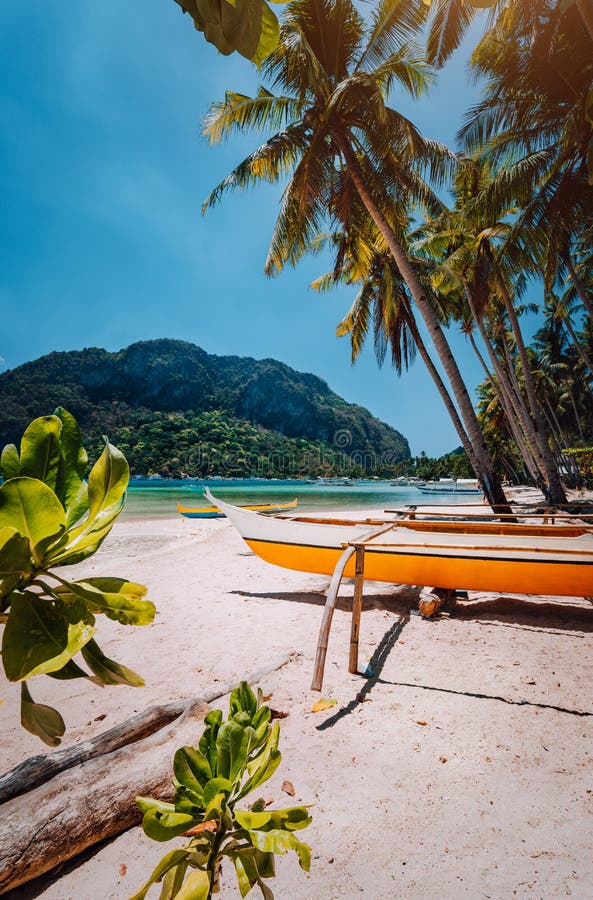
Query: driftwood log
{"x": 93, "y": 797}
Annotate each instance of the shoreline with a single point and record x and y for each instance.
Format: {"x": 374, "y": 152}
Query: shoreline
{"x": 461, "y": 768}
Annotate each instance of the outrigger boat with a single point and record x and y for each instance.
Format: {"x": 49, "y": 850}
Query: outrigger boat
{"x": 478, "y": 554}
{"x": 215, "y": 512}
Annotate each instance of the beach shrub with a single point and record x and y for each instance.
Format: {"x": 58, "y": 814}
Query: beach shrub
{"x": 51, "y": 517}
{"x": 233, "y": 759}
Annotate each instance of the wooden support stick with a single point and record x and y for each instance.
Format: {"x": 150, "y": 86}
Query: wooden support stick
{"x": 356, "y": 610}
{"x": 330, "y": 603}
{"x": 328, "y": 612}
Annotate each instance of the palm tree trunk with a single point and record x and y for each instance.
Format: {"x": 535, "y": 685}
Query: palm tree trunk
{"x": 512, "y": 401}
{"x": 556, "y": 493}
{"x": 486, "y": 474}
{"x": 442, "y": 389}
{"x": 512, "y": 424}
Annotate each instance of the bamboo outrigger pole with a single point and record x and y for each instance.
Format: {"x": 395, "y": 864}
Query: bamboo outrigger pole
{"x": 330, "y": 604}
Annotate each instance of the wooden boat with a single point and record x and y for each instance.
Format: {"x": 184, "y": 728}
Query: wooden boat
{"x": 468, "y": 555}
{"x": 214, "y": 512}
{"x": 451, "y": 486}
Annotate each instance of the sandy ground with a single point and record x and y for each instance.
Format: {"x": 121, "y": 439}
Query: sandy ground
{"x": 461, "y": 768}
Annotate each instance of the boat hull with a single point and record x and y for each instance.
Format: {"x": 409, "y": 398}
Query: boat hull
{"x": 478, "y": 561}
{"x": 452, "y": 569}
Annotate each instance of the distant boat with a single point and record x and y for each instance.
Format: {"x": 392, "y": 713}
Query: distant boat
{"x": 451, "y": 486}
{"x": 407, "y": 481}
{"x": 334, "y": 482}
{"x": 213, "y": 512}
{"x": 471, "y": 555}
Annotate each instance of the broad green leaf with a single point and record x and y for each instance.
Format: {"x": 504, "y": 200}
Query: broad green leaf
{"x": 265, "y": 768}
{"x": 293, "y": 818}
{"x": 79, "y": 635}
{"x": 247, "y": 874}
{"x": 146, "y": 803}
{"x": 108, "y": 481}
{"x": 10, "y": 462}
{"x": 216, "y": 786}
{"x": 266, "y": 865}
{"x": 207, "y": 743}
{"x": 169, "y": 861}
{"x": 121, "y": 607}
{"x": 70, "y": 671}
{"x": 248, "y": 27}
{"x": 192, "y": 769}
{"x": 195, "y": 887}
{"x": 281, "y": 842}
{"x": 112, "y": 585}
{"x": 231, "y": 751}
{"x": 242, "y": 699}
{"x": 173, "y": 880}
{"x": 164, "y": 826}
{"x": 42, "y": 721}
{"x": 15, "y": 553}
{"x": 71, "y": 489}
{"x": 34, "y": 510}
{"x": 107, "y": 670}
{"x": 248, "y": 819}
{"x": 35, "y": 632}
{"x": 40, "y": 450}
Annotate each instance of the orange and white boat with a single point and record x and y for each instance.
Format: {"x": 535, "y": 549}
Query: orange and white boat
{"x": 461, "y": 555}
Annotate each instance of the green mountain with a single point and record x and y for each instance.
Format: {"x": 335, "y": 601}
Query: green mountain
{"x": 175, "y": 409}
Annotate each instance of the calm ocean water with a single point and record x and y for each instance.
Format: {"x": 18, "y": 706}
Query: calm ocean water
{"x": 159, "y": 499}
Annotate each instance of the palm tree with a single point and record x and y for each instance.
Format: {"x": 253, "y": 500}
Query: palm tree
{"x": 337, "y": 73}
{"x": 361, "y": 257}
{"x": 450, "y": 20}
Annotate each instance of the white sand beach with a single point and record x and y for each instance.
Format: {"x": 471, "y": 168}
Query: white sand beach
{"x": 463, "y": 767}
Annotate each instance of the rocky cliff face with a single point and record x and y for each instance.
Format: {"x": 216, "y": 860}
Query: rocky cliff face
{"x": 176, "y": 376}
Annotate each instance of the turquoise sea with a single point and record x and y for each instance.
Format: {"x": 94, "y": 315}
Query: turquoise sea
{"x": 149, "y": 498}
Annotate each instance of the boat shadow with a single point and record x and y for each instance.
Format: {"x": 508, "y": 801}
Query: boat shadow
{"x": 399, "y": 601}
{"x": 496, "y": 609}
{"x": 552, "y": 615}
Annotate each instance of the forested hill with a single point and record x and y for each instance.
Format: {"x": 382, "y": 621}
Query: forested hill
{"x": 173, "y": 409}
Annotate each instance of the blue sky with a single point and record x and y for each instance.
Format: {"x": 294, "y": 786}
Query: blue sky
{"x": 102, "y": 175}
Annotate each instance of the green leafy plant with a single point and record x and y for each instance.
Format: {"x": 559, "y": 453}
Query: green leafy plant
{"x": 248, "y": 27}
{"x": 233, "y": 759}
{"x": 51, "y": 517}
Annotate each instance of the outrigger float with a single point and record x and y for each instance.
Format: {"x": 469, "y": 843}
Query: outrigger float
{"x": 477, "y": 551}
{"x": 214, "y": 512}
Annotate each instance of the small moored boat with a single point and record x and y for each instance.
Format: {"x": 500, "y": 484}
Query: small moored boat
{"x": 214, "y": 512}
{"x": 470, "y": 555}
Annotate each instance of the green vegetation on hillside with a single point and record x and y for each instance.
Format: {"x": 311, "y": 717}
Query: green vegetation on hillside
{"x": 176, "y": 410}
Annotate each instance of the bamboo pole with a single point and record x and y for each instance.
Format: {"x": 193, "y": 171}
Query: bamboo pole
{"x": 328, "y": 613}
{"x": 330, "y": 604}
{"x": 356, "y": 609}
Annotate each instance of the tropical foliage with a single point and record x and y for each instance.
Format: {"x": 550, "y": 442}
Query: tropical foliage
{"x": 51, "y": 517}
{"x": 233, "y": 759}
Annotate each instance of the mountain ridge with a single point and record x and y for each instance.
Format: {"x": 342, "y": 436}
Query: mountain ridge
{"x": 150, "y": 383}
